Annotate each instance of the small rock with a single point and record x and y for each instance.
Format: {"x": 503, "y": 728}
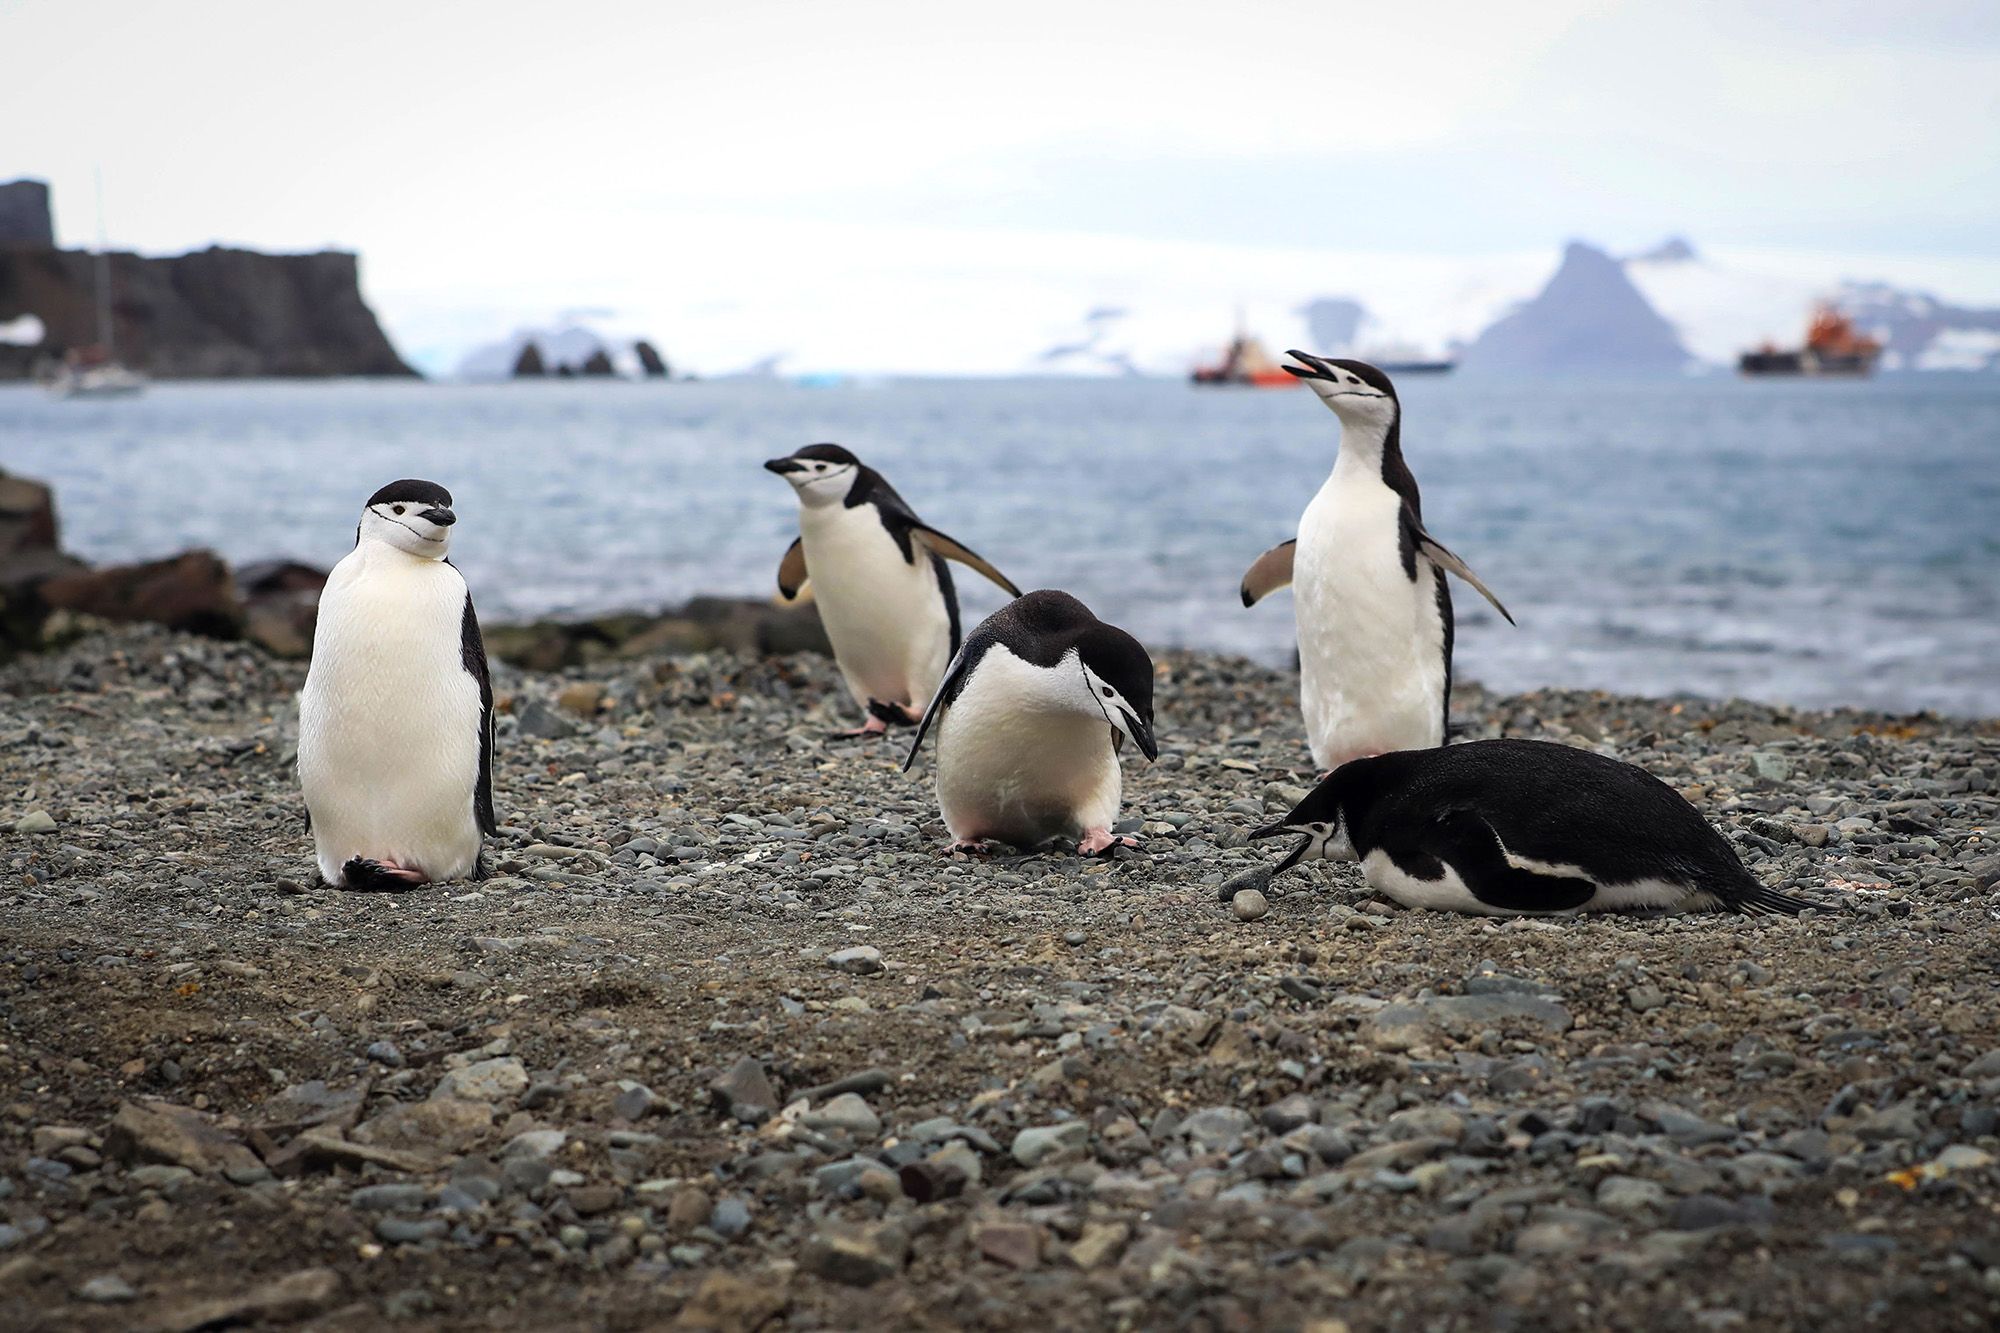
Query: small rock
{"x": 1249, "y": 905}
{"x": 1018, "y": 1245}
{"x": 581, "y": 697}
{"x": 730, "y": 1218}
{"x": 39, "y": 821}
{"x": 862, "y": 960}
{"x": 1099, "y": 1243}
{"x": 538, "y": 720}
{"x": 848, "y": 1114}
{"x": 497, "y": 1080}
{"x": 857, "y": 1256}
{"x": 1034, "y": 1146}
{"x": 1256, "y": 879}
{"x": 1645, "y": 999}
{"x": 745, "y": 1092}
{"x": 107, "y": 1289}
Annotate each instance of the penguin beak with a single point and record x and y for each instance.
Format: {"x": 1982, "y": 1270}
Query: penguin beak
{"x": 1315, "y": 368}
{"x": 782, "y": 466}
{"x": 1297, "y": 853}
{"x": 1141, "y": 732}
{"x": 444, "y": 518}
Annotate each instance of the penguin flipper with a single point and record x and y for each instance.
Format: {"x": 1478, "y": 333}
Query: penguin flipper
{"x": 947, "y": 688}
{"x": 792, "y": 570}
{"x": 472, "y": 655}
{"x": 1269, "y": 572}
{"x": 1435, "y": 551}
{"x": 951, "y": 549}
{"x": 1461, "y": 839}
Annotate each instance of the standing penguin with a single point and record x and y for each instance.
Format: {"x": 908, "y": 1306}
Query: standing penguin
{"x": 879, "y": 576}
{"x": 396, "y": 718}
{"x": 1515, "y": 828}
{"x": 1029, "y": 720}
{"x": 1368, "y": 585}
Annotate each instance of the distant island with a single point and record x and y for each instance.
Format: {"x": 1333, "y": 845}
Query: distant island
{"x": 213, "y": 314}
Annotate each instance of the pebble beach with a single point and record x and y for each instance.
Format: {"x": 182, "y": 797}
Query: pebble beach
{"x": 727, "y": 1042}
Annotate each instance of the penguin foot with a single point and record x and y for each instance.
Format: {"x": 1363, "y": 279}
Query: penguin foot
{"x": 968, "y": 847}
{"x": 875, "y": 727}
{"x": 362, "y": 875}
{"x": 895, "y": 715}
{"x": 1098, "y": 841}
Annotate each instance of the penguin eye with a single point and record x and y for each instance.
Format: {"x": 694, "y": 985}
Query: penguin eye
{"x": 1108, "y": 691}
{"x": 397, "y": 508}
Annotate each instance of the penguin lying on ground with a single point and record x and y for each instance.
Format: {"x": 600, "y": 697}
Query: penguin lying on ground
{"x": 1514, "y": 827}
{"x": 396, "y": 718}
{"x": 1368, "y": 586}
{"x": 1029, "y": 720}
{"x": 879, "y": 576}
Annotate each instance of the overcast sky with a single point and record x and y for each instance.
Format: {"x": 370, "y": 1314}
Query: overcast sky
{"x": 492, "y": 159}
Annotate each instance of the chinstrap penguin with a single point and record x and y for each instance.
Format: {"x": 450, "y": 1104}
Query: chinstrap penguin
{"x": 879, "y": 576}
{"x": 396, "y": 717}
{"x": 1369, "y": 593}
{"x": 1029, "y": 720}
{"x": 1518, "y": 827}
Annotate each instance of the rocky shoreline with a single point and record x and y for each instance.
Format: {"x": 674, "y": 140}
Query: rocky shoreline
{"x": 726, "y": 1043}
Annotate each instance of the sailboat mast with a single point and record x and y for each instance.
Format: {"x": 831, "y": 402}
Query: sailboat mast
{"x": 103, "y": 271}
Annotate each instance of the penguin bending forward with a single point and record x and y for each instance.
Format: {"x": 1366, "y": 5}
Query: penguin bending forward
{"x": 1029, "y": 721}
{"x": 879, "y": 576}
{"x": 1516, "y": 827}
{"x": 1369, "y": 592}
{"x": 396, "y": 717}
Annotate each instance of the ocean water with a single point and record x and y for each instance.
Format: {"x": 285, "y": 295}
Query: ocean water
{"x": 1834, "y": 543}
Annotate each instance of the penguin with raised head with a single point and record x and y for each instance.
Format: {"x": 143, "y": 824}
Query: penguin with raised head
{"x": 1521, "y": 828}
{"x": 1029, "y": 721}
{"x": 879, "y": 577}
{"x": 1368, "y": 586}
{"x": 396, "y": 717}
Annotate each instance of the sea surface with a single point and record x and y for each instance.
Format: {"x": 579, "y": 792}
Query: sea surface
{"x": 1813, "y": 543}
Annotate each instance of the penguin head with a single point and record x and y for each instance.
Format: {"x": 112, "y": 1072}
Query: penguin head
{"x": 1322, "y": 819}
{"x": 1101, "y": 672}
{"x": 412, "y": 516}
{"x": 1119, "y": 676}
{"x": 1359, "y": 394}
{"x": 821, "y": 473}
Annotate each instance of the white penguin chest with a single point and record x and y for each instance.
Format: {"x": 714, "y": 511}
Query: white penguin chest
{"x": 884, "y": 615}
{"x": 1013, "y": 764}
{"x": 1371, "y": 638}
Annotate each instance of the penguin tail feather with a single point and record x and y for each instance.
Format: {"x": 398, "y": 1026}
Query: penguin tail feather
{"x": 360, "y": 875}
{"x": 1756, "y": 900}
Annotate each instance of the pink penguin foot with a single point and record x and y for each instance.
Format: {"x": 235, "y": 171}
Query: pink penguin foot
{"x": 380, "y": 875}
{"x": 1098, "y": 841}
{"x": 875, "y": 726}
{"x": 968, "y": 847}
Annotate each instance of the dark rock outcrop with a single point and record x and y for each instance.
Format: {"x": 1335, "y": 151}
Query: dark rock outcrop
{"x": 280, "y": 605}
{"x": 650, "y": 361}
{"x": 214, "y": 314}
{"x": 528, "y": 365}
{"x": 192, "y": 591}
{"x": 598, "y": 363}
{"x": 705, "y": 624}
{"x": 1588, "y": 320}
{"x": 30, "y": 554}
{"x": 25, "y": 219}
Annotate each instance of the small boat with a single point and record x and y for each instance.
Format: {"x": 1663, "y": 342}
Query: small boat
{"x": 1833, "y": 347}
{"x": 95, "y": 371}
{"x": 1245, "y": 362}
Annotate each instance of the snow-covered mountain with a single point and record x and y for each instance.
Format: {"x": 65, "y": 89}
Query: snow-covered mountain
{"x": 1588, "y": 320}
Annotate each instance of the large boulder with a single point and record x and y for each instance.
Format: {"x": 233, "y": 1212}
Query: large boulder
{"x": 192, "y": 591}
{"x": 30, "y": 555}
{"x": 280, "y": 605}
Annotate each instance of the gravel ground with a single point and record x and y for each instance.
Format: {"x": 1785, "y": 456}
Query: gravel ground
{"x": 727, "y": 1043}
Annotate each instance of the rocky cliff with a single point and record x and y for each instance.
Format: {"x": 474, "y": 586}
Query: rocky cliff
{"x": 215, "y": 313}
{"x": 1589, "y": 320}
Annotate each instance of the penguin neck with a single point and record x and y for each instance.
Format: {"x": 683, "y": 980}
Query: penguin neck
{"x": 375, "y": 551}
{"x": 1373, "y": 455}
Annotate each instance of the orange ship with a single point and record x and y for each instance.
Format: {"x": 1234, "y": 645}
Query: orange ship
{"x": 1245, "y": 362}
{"x": 1833, "y": 347}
